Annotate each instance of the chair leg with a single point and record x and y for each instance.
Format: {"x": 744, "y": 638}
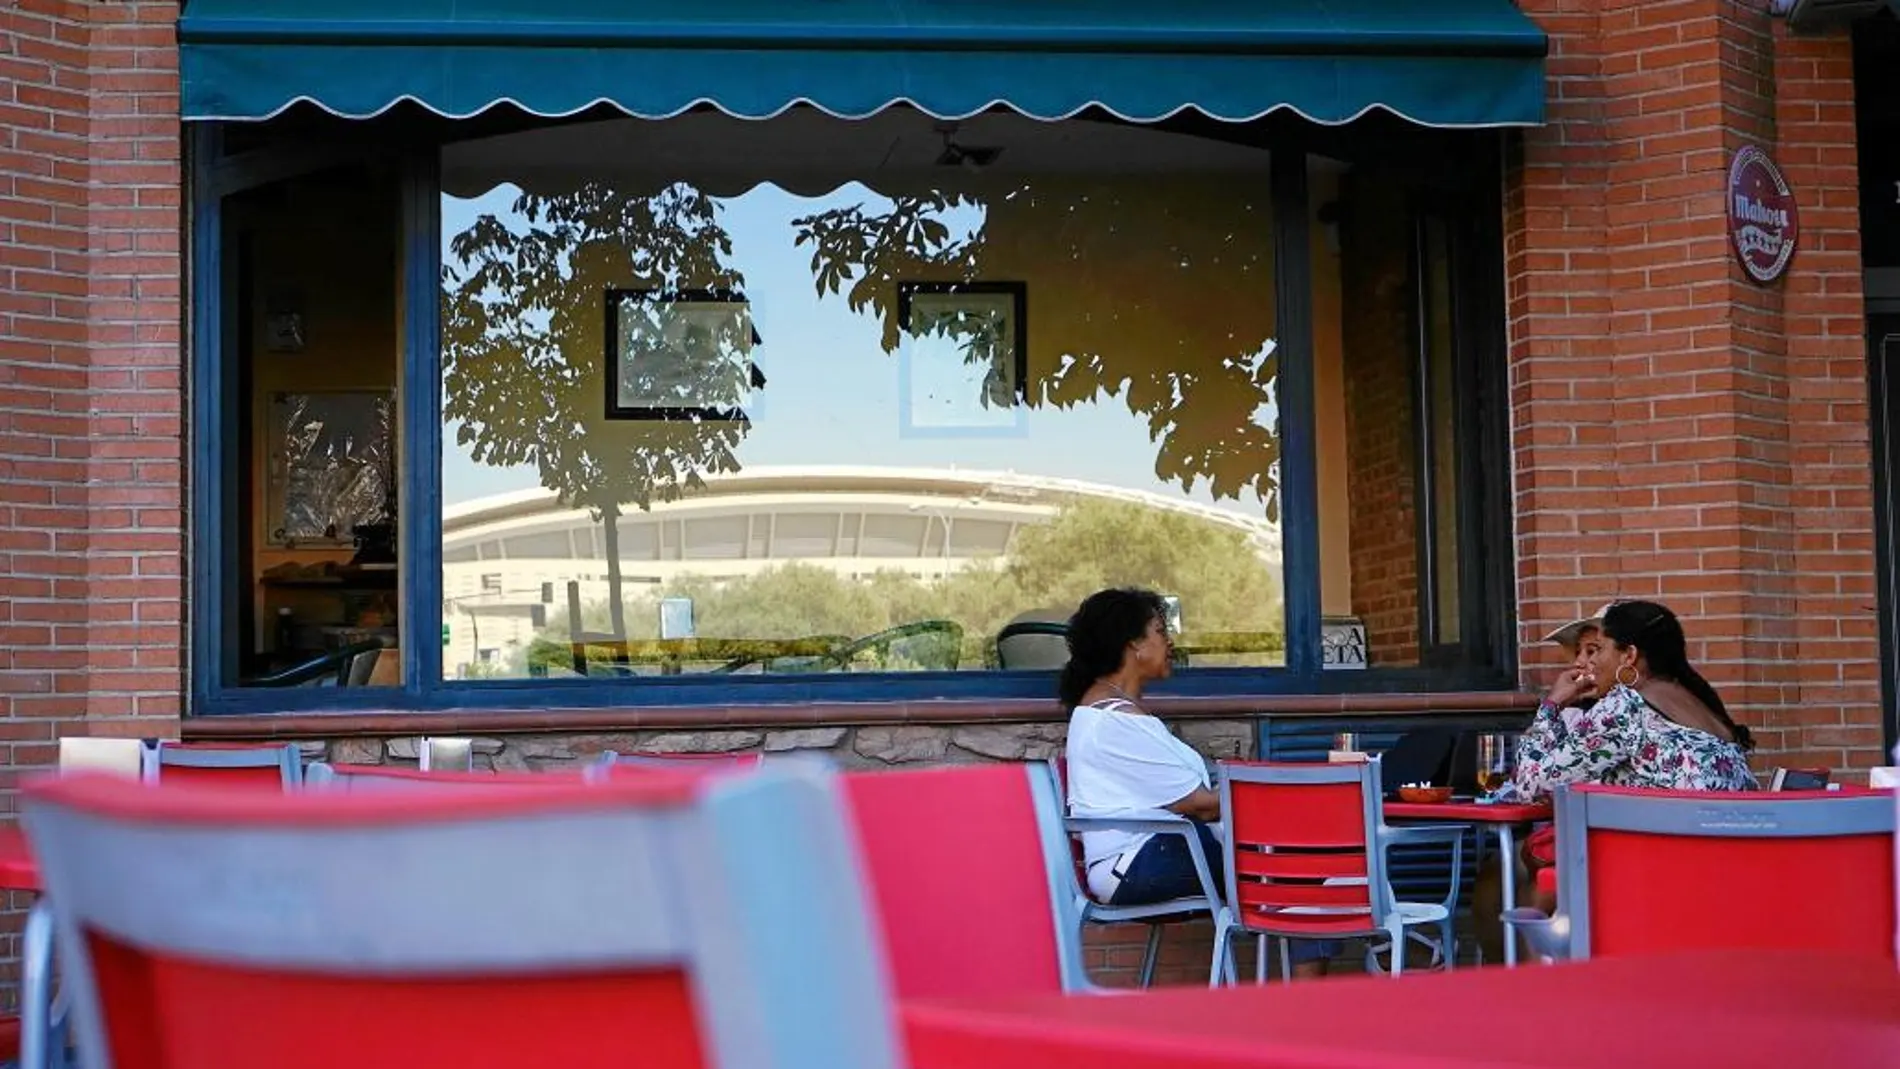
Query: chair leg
{"x": 1397, "y": 965}
{"x": 1222, "y": 935}
{"x": 1153, "y": 955}
{"x": 1286, "y": 960}
{"x": 1449, "y": 941}
{"x": 1262, "y": 948}
{"x": 36, "y": 988}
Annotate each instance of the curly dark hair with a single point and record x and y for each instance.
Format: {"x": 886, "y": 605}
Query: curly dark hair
{"x": 1099, "y": 635}
{"x": 1657, "y": 633}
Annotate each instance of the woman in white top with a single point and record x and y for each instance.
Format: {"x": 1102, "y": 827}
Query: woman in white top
{"x": 1124, "y": 761}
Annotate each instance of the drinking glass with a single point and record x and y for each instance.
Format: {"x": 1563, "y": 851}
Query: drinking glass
{"x": 1497, "y": 755}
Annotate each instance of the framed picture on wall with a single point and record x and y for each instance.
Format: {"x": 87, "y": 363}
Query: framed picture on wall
{"x": 963, "y": 368}
{"x": 331, "y": 466}
{"x": 680, "y": 355}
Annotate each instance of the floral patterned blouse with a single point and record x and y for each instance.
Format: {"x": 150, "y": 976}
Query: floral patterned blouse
{"x": 1624, "y": 741}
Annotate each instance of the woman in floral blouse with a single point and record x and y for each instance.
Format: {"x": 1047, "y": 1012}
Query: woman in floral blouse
{"x": 1657, "y": 724}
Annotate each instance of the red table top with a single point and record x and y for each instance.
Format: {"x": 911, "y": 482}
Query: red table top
{"x": 1469, "y": 812}
{"x": 18, "y": 871}
{"x": 1773, "y": 1009}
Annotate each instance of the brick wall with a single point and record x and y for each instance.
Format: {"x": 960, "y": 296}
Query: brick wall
{"x": 1681, "y": 433}
{"x": 90, "y": 372}
{"x": 1838, "y": 650}
{"x": 91, "y": 548}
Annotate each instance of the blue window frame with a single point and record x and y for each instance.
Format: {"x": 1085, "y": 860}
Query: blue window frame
{"x": 1457, "y": 171}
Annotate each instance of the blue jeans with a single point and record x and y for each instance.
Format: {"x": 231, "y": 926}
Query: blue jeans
{"x": 1164, "y": 868}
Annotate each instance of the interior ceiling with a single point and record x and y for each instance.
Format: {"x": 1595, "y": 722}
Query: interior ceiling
{"x": 804, "y": 148}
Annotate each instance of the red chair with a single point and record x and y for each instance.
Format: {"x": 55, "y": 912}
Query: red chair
{"x": 224, "y": 764}
{"x": 1649, "y": 872}
{"x": 1305, "y": 856}
{"x": 673, "y": 922}
{"x": 965, "y": 866}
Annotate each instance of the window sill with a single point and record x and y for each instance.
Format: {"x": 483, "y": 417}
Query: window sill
{"x": 820, "y": 714}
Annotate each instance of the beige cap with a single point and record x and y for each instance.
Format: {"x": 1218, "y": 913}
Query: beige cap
{"x": 1567, "y": 635}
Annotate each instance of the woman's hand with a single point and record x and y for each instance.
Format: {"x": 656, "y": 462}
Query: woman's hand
{"x": 1571, "y": 685}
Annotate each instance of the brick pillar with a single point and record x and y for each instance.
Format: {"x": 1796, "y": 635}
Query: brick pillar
{"x": 91, "y": 543}
{"x": 1837, "y": 646}
{"x": 91, "y": 529}
{"x": 1682, "y": 433}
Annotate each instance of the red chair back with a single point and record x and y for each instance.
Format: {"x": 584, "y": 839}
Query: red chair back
{"x": 268, "y": 779}
{"x": 1290, "y": 828}
{"x": 1662, "y": 871}
{"x": 225, "y": 764}
{"x": 1078, "y": 859}
{"x": 958, "y": 861}
{"x": 666, "y": 922}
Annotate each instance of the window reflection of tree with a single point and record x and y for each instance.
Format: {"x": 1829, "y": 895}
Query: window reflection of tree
{"x": 1158, "y": 292}
{"x": 524, "y": 351}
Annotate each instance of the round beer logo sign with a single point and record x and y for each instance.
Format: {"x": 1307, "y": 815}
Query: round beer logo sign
{"x": 1762, "y": 224}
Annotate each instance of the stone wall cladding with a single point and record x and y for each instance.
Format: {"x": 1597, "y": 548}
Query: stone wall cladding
{"x": 851, "y": 748}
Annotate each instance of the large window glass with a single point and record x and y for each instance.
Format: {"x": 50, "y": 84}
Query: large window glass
{"x": 1394, "y": 404}
{"x": 811, "y": 395}
{"x": 308, "y": 444}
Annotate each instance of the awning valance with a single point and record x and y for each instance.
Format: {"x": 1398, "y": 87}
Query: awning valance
{"x": 1442, "y": 63}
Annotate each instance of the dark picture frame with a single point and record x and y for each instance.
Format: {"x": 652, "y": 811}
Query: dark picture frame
{"x": 709, "y": 307}
{"x": 329, "y": 467}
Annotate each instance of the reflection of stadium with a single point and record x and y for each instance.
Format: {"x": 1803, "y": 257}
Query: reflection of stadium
{"x": 507, "y": 559}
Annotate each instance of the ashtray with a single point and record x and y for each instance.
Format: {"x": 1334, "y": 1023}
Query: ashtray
{"x": 1424, "y": 794}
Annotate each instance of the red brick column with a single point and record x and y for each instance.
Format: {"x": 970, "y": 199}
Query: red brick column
{"x": 1682, "y": 433}
{"x": 91, "y": 374}
{"x": 91, "y": 484}
{"x": 1836, "y": 644}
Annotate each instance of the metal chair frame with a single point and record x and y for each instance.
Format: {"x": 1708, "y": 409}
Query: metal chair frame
{"x": 1387, "y": 918}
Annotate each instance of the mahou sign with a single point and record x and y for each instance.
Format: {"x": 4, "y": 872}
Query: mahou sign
{"x": 1762, "y": 223}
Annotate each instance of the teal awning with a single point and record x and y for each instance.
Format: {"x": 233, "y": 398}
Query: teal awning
{"x": 1440, "y": 63}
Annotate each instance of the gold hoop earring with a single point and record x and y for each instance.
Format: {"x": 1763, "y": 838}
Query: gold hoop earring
{"x": 1635, "y": 677}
